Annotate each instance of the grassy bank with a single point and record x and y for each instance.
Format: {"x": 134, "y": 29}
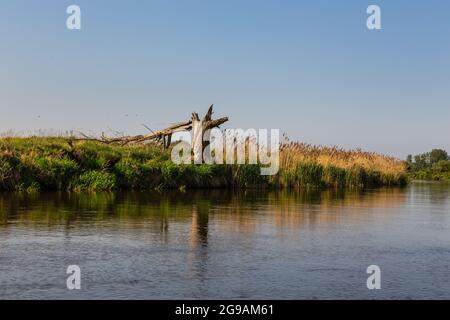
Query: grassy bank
{"x": 37, "y": 163}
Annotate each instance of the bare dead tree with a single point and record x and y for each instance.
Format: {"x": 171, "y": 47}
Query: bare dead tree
{"x": 163, "y": 136}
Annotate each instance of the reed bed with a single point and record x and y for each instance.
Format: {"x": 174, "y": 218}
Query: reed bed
{"x": 303, "y": 164}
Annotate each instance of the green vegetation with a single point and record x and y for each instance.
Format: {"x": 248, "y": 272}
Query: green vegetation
{"x": 433, "y": 165}
{"x": 38, "y": 163}
{"x": 31, "y": 164}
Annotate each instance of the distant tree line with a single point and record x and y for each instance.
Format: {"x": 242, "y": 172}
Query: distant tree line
{"x": 433, "y": 165}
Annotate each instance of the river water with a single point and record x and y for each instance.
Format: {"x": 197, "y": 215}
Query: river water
{"x": 227, "y": 245}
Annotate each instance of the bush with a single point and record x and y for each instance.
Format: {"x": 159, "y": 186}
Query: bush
{"x": 95, "y": 181}
{"x": 132, "y": 174}
{"x": 9, "y": 173}
{"x": 441, "y": 166}
{"x": 92, "y": 156}
{"x": 171, "y": 174}
{"x": 54, "y": 173}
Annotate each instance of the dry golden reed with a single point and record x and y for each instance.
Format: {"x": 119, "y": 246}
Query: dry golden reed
{"x": 384, "y": 169}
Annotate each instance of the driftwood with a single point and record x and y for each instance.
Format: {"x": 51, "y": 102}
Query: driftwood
{"x": 163, "y": 136}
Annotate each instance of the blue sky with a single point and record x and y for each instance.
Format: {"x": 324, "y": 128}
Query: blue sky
{"x": 309, "y": 68}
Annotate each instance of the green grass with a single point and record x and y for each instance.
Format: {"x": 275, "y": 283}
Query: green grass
{"x": 38, "y": 163}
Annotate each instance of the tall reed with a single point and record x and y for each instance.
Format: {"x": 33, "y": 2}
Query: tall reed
{"x": 303, "y": 164}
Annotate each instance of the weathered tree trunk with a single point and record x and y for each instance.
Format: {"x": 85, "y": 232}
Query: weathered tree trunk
{"x": 199, "y": 127}
{"x": 164, "y": 136}
{"x": 197, "y": 138}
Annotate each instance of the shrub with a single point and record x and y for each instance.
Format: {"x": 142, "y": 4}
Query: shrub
{"x": 54, "y": 173}
{"x": 441, "y": 166}
{"x": 132, "y": 174}
{"x": 171, "y": 174}
{"x": 9, "y": 172}
{"x": 95, "y": 181}
{"x": 92, "y": 156}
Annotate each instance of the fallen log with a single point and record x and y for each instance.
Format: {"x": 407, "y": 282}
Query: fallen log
{"x": 163, "y": 136}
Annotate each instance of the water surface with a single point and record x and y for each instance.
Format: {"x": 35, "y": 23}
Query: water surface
{"x": 231, "y": 245}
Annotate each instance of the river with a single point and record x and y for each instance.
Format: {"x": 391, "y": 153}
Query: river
{"x": 227, "y": 245}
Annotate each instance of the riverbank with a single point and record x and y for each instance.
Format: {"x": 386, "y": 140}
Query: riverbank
{"x": 45, "y": 163}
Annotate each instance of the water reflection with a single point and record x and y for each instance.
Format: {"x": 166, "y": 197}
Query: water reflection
{"x": 227, "y": 244}
{"x": 163, "y": 216}
{"x": 157, "y": 210}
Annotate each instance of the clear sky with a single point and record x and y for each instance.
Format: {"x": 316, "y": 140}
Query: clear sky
{"x": 309, "y": 68}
